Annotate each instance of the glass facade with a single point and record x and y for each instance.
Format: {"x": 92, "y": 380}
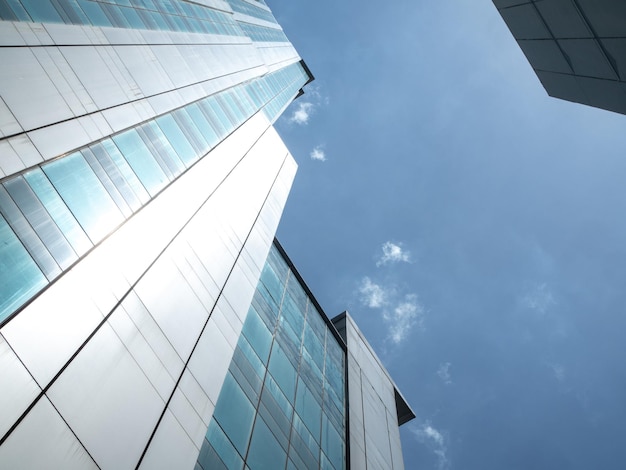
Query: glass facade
{"x": 59, "y": 210}
{"x": 283, "y": 402}
{"x": 166, "y": 15}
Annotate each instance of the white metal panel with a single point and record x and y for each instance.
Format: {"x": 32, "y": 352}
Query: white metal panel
{"x": 8, "y": 123}
{"x": 197, "y": 397}
{"x": 171, "y": 448}
{"x": 180, "y": 406}
{"x": 142, "y": 63}
{"x": 52, "y": 141}
{"x": 18, "y": 387}
{"x": 95, "y": 126}
{"x": 95, "y": 74}
{"x": 33, "y": 34}
{"x": 53, "y": 326}
{"x": 225, "y": 319}
{"x": 25, "y": 149}
{"x": 25, "y": 86}
{"x": 51, "y": 59}
{"x": 179, "y": 314}
{"x": 393, "y": 431}
{"x": 105, "y": 397}
{"x": 143, "y": 354}
{"x": 9, "y": 36}
{"x": 43, "y": 441}
{"x": 210, "y": 361}
{"x": 66, "y": 34}
{"x": 239, "y": 291}
{"x": 10, "y": 162}
{"x": 153, "y": 335}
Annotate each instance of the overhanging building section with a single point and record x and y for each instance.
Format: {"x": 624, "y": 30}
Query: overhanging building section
{"x": 576, "y": 47}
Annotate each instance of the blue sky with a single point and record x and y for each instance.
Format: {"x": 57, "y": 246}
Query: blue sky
{"x": 473, "y": 226}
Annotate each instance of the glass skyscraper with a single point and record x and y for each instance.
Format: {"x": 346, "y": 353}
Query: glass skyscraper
{"x": 142, "y": 324}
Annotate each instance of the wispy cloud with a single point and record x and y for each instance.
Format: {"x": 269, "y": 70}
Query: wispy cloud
{"x": 400, "y": 320}
{"x": 318, "y": 154}
{"x": 559, "y": 371}
{"x": 393, "y": 253}
{"x": 302, "y": 113}
{"x": 372, "y": 295}
{"x": 427, "y": 435}
{"x": 538, "y": 299}
{"x": 444, "y": 373}
{"x": 400, "y": 311}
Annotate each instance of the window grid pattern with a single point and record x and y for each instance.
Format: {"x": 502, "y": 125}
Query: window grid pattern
{"x": 54, "y": 213}
{"x": 263, "y": 34}
{"x": 165, "y": 15}
{"x": 282, "y": 404}
{"x": 242, "y": 6}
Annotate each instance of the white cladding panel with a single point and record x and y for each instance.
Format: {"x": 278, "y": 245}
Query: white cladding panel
{"x": 374, "y": 435}
{"x": 43, "y": 440}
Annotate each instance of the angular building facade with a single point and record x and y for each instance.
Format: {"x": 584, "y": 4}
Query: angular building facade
{"x": 141, "y": 185}
{"x": 576, "y": 47}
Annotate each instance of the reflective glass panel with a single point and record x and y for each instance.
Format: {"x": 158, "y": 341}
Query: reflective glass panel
{"x": 265, "y": 451}
{"x": 235, "y": 414}
{"x": 20, "y": 278}
{"x": 141, "y": 161}
{"x": 84, "y": 195}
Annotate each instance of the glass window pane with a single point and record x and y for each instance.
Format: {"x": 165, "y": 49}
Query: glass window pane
{"x": 20, "y": 278}
{"x": 191, "y": 131}
{"x": 265, "y": 451}
{"x": 58, "y": 211}
{"x": 177, "y": 139}
{"x": 208, "y": 458}
{"x": 42, "y": 12}
{"x": 16, "y": 12}
{"x": 283, "y": 372}
{"x": 272, "y": 283}
{"x": 141, "y": 161}
{"x": 223, "y": 447}
{"x": 39, "y": 218}
{"x": 257, "y": 334}
{"x": 235, "y": 414}
{"x": 94, "y": 13}
{"x": 33, "y": 244}
{"x": 303, "y": 442}
{"x": 273, "y": 389}
{"x": 107, "y": 182}
{"x": 107, "y": 149}
{"x": 84, "y": 195}
{"x": 203, "y": 124}
{"x": 332, "y": 443}
{"x": 309, "y": 409}
{"x": 293, "y": 314}
{"x": 314, "y": 346}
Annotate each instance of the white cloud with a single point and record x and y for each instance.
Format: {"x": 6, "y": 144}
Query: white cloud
{"x": 559, "y": 371}
{"x": 318, "y": 154}
{"x": 444, "y": 373}
{"x": 538, "y": 299}
{"x": 393, "y": 253}
{"x": 401, "y": 320}
{"x": 432, "y": 438}
{"x": 372, "y": 295}
{"x": 302, "y": 113}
